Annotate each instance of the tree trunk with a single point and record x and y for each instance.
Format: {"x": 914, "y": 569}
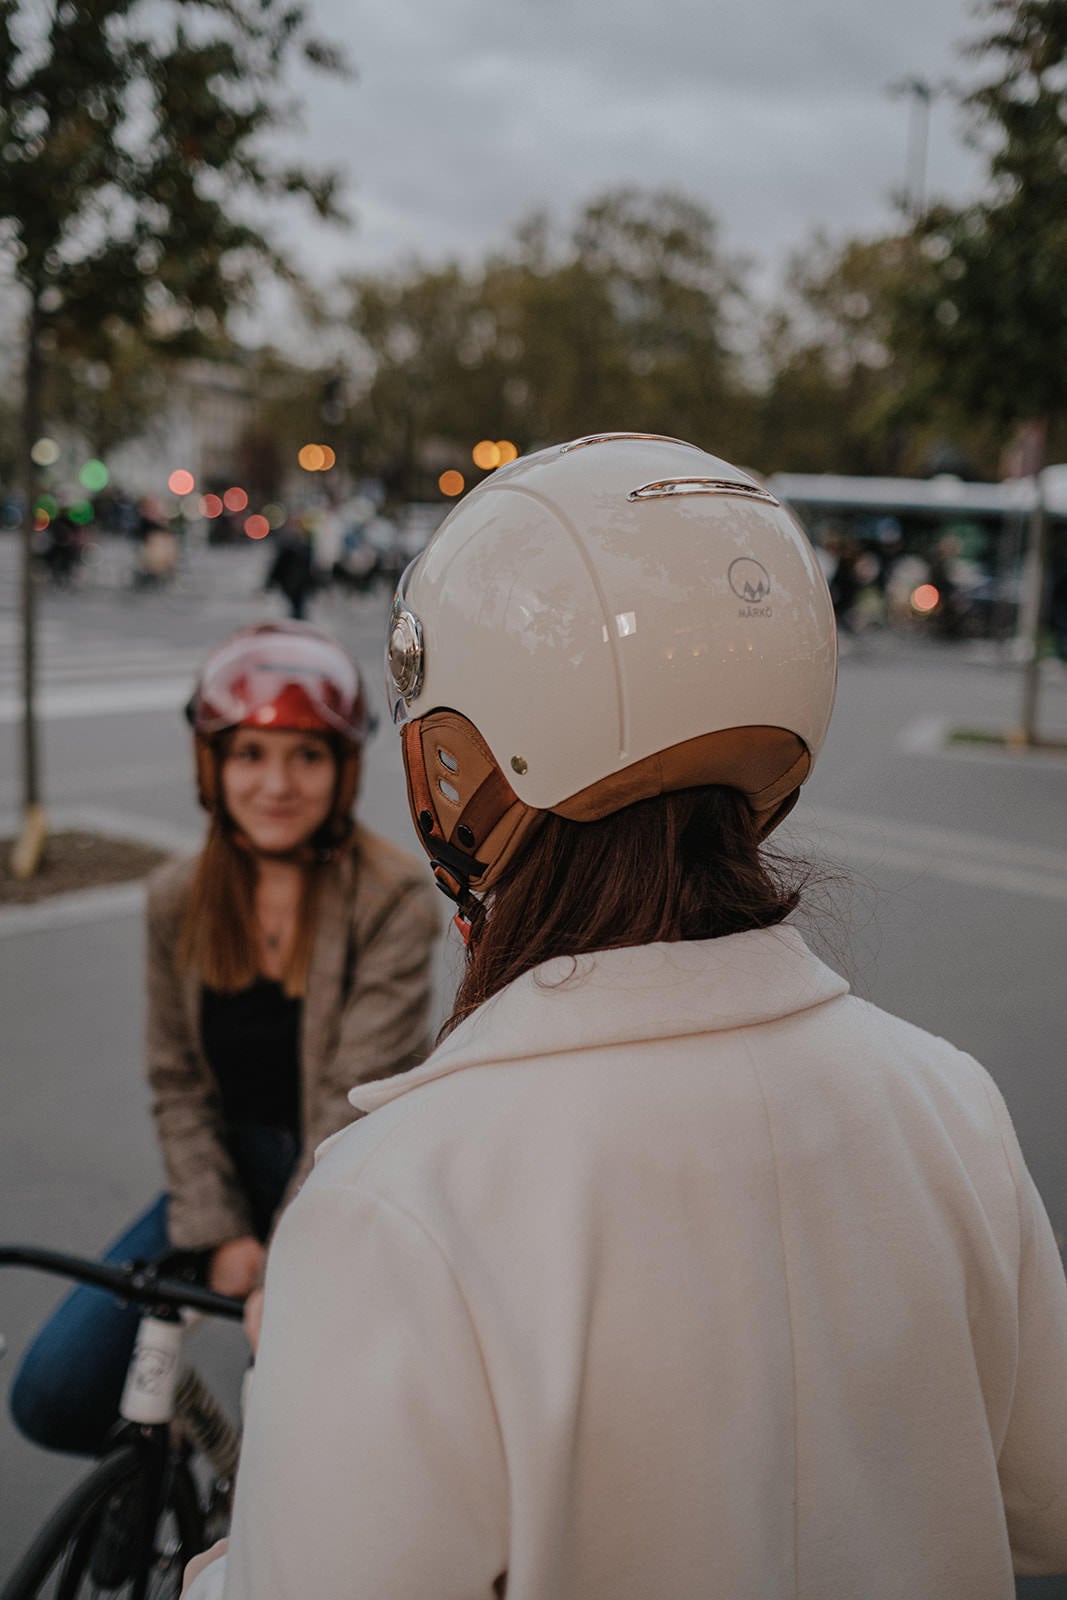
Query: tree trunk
{"x": 1035, "y": 600}
{"x": 27, "y": 852}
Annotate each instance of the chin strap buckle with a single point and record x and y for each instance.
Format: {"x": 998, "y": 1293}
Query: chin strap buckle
{"x": 470, "y": 908}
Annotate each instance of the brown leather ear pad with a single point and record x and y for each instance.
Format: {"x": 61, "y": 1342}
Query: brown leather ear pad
{"x": 766, "y": 764}
{"x": 454, "y": 782}
{"x": 453, "y": 778}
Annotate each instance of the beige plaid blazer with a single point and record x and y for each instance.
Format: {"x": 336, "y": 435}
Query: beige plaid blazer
{"x": 365, "y": 1015}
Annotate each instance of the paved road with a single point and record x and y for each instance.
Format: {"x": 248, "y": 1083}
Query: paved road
{"x": 950, "y": 909}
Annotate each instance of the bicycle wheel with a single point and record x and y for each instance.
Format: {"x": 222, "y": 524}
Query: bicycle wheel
{"x": 74, "y": 1557}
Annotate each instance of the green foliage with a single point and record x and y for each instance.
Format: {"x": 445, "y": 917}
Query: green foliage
{"x": 834, "y": 384}
{"x": 848, "y": 389}
{"x": 988, "y": 308}
{"x": 627, "y": 323}
{"x": 132, "y": 167}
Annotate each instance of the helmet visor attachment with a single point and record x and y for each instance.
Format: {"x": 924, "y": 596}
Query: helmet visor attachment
{"x": 404, "y": 654}
{"x": 284, "y": 682}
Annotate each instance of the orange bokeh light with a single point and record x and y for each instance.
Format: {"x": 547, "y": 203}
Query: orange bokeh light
{"x": 257, "y": 527}
{"x": 451, "y": 483}
{"x": 485, "y": 455}
{"x": 41, "y": 520}
{"x": 506, "y": 451}
{"x": 329, "y": 458}
{"x": 235, "y": 499}
{"x": 312, "y": 457}
{"x": 925, "y": 598}
{"x": 210, "y": 505}
{"x": 181, "y": 482}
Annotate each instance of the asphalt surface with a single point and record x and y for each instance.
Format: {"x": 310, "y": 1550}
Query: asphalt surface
{"x": 945, "y": 902}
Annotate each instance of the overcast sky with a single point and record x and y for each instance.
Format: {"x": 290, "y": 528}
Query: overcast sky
{"x": 468, "y": 114}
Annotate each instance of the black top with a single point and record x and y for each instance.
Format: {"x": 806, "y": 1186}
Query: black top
{"x": 252, "y": 1043}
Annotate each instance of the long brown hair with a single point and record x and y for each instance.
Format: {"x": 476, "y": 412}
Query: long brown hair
{"x": 219, "y": 938}
{"x": 687, "y": 865}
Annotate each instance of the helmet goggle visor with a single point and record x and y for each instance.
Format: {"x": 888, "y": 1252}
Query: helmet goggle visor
{"x": 290, "y": 687}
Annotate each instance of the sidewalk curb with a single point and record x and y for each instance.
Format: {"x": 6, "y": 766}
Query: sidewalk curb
{"x": 84, "y": 906}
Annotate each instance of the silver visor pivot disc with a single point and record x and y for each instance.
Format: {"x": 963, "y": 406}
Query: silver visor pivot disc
{"x": 404, "y": 654}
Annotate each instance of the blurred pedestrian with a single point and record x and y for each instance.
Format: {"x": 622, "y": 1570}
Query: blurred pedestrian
{"x": 292, "y": 569}
{"x": 949, "y": 613}
{"x": 328, "y": 534}
{"x": 157, "y": 548}
{"x": 64, "y": 548}
{"x": 844, "y": 578}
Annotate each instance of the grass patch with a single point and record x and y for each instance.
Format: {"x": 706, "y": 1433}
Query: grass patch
{"x": 1002, "y": 739}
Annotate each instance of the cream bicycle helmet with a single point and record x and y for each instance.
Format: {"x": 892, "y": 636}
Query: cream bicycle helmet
{"x": 601, "y": 622}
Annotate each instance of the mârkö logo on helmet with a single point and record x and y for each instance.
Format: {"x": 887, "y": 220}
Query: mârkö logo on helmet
{"x": 749, "y": 580}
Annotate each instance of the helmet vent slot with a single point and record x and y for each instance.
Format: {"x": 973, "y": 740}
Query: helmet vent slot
{"x": 448, "y": 760}
{"x": 663, "y": 488}
{"x": 449, "y": 790}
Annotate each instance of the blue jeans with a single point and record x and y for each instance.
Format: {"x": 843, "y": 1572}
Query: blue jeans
{"x": 66, "y": 1393}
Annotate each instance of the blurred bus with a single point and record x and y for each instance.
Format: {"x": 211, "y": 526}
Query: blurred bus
{"x": 910, "y": 525}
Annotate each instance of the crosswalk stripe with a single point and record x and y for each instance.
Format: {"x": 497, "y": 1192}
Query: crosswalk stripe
{"x": 99, "y": 699}
{"x": 954, "y": 855}
{"x": 107, "y": 668}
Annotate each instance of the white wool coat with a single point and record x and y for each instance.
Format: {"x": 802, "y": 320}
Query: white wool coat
{"x": 675, "y": 1272}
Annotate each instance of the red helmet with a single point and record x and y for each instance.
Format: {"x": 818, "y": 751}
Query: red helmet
{"x": 280, "y": 676}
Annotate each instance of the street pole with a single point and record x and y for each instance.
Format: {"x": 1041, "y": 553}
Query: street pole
{"x": 1034, "y": 599}
{"x": 920, "y": 94}
{"x": 919, "y": 140}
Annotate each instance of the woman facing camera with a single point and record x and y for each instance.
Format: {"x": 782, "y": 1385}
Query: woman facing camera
{"x": 677, "y": 1270}
{"x": 288, "y": 962}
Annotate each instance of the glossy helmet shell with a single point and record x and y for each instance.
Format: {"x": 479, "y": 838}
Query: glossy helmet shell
{"x": 598, "y": 623}
{"x": 280, "y": 676}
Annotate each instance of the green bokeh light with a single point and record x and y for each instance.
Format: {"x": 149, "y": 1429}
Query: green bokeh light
{"x": 46, "y": 503}
{"x": 94, "y": 476}
{"x": 80, "y": 512}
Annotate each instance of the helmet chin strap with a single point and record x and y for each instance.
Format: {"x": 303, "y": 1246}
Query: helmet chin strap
{"x": 471, "y": 910}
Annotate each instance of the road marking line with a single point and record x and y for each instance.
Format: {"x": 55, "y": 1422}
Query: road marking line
{"x": 978, "y": 860}
{"x": 957, "y": 856}
{"x": 86, "y": 667}
{"x": 933, "y": 839}
{"x": 104, "y": 699}
{"x": 100, "y": 700}
{"x": 106, "y": 780}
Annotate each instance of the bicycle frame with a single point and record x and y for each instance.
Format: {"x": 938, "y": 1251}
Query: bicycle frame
{"x": 148, "y": 1402}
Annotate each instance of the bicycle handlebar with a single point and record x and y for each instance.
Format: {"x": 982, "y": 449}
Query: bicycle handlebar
{"x": 132, "y": 1281}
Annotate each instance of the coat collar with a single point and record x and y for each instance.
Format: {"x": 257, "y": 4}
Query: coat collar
{"x": 656, "y": 991}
